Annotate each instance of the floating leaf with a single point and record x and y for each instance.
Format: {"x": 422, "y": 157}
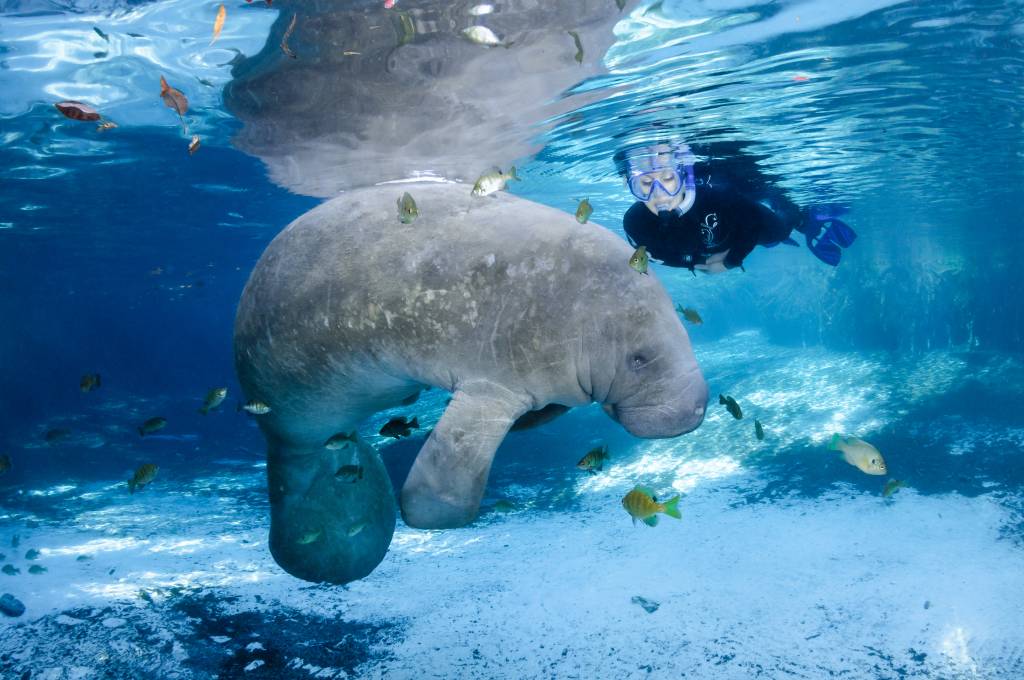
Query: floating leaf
{"x": 77, "y": 110}
{"x": 287, "y": 34}
{"x": 173, "y": 98}
{"x": 218, "y": 23}
{"x": 193, "y": 146}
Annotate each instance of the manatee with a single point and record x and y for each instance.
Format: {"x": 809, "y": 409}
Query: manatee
{"x": 509, "y": 304}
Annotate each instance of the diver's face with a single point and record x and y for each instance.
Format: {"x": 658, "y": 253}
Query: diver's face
{"x": 662, "y": 188}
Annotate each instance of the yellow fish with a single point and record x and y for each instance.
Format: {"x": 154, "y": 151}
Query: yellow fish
{"x": 143, "y": 476}
{"x": 859, "y": 454}
{"x": 214, "y": 398}
{"x": 690, "y": 314}
{"x": 407, "y": 210}
{"x": 593, "y": 462}
{"x": 492, "y": 181}
{"x": 640, "y": 259}
{"x": 218, "y": 23}
{"x": 641, "y": 504}
{"x": 583, "y": 211}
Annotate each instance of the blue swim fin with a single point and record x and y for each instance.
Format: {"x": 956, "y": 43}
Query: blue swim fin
{"x": 826, "y": 251}
{"x": 840, "y": 233}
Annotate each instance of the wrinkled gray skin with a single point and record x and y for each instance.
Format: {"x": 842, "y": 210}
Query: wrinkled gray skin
{"x": 509, "y": 304}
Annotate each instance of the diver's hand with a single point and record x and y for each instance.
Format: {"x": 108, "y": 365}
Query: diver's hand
{"x": 715, "y": 264}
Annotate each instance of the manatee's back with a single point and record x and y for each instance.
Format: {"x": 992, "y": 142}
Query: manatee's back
{"x": 495, "y": 278}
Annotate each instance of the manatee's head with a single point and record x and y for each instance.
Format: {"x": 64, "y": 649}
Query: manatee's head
{"x": 654, "y": 386}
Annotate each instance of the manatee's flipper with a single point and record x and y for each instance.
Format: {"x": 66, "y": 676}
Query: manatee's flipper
{"x": 447, "y": 480}
{"x": 323, "y": 528}
{"x": 532, "y": 419}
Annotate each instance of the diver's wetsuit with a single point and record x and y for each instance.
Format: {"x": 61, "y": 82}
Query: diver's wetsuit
{"x": 718, "y": 221}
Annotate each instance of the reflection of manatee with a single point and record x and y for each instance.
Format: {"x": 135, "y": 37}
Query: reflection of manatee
{"x": 509, "y": 304}
{"x": 377, "y": 94}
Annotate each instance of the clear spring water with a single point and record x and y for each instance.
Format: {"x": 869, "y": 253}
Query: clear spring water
{"x": 123, "y": 255}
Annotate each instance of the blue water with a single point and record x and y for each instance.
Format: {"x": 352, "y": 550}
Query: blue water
{"x": 122, "y": 254}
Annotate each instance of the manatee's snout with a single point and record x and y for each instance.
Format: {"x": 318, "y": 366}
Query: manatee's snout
{"x": 680, "y": 412}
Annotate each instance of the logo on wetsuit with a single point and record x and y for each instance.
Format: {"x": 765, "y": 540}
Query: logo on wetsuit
{"x": 708, "y": 230}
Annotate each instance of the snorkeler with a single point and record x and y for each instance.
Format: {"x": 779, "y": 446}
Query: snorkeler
{"x": 712, "y": 228}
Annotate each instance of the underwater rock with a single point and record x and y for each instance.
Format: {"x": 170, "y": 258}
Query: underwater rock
{"x": 650, "y": 606}
{"x": 11, "y": 606}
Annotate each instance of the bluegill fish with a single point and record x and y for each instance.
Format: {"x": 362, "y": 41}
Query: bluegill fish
{"x": 494, "y": 180}
{"x": 37, "y": 569}
{"x": 891, "y": 487}
{"x": 641, "y": 504}
{"x": 758, "y": 430}
{"x": 481, "y": 35}
{"x": 640, "y": 259}
{"x": 859, "y": 454}
{"x": 407, "y": 210}
{"x": 89, "y": 382}
{"x": 584, "y": 211}
{"x": 340, "y": 440}
{"x": 257, "y": 408}
{"x": 349, "y": 473}
{"x": 355, "y": 529}
{"x": 143, "y": 476}
{"x": 731, "y": 406}
{"x": 214, "y": 398}
{"x": 31, "y": 554}
{"x": 152, "y": 425}
{"x": 593, "y": 462}
{"x": 690, "y": 314}
{"x": 399, "y": 427}
{"x": 309, "y": 537}
{"x": 57, "y": 434}
{"x": 10, "y": 570}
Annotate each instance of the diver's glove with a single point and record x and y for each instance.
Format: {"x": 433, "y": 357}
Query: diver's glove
{"x": 826, "y": 234}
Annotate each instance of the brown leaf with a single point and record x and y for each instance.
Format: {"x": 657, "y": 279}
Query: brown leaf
{"x": 77, "y": 110}
{"x": 173, "y": 98}
{"x": 287, "y": 34}
{"x": 193, "y": 146}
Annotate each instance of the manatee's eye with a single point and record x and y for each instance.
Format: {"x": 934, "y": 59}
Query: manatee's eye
{"x": 638, "y": 361}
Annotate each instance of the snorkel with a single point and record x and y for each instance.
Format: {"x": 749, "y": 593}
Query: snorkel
{"x": 661, "y": 176}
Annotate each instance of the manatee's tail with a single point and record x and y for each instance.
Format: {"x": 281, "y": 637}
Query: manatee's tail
{"x": 672, "y": 507}
{"x": 837, "y": 439}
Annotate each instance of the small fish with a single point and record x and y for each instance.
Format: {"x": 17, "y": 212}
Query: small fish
{"x": 257, "y": 408}
{"x": 758, "y": 430}
{"x": 152, "y": 425}
{"x": 5, "y": 465}
{"x": 83, "y": 558}
{"x": 143, "y": 476}
{"x": 31, "y": 554}
{"x": 309, "y": 537}
{"x": 691, "y": 315}
{"x": 106, "y": 125}
{"x": 355, "y": 529}
{"x": 593, "y": 462}
{"x": 481, "y": 10}
{"x": 640, "y": 259}
{"x": 407, "y": 210}
{"x": 57, "y": 434}
{"x": 504, "y": 505}
{"x": 89, "y": 382}
{"x": 641, "y": 504}
{"x": 579, "y": 46}
{"x": 214, "y": 398}
{"x": 144, "y": 595}
{"x": 101, "y": 34}
{"x": 173, "y": 98}
{"x": 218, "y": 23}
{"x": 349, "y": 473}
{"x": 493, "y": 180}
{"x": 340, "y": 440}
{"x": 287, "y": 34}
{"x": 399, "y": 427}
{"x": 859, "y": 454}
{"x": 76, "y": 110}
{"x": 891, "y": 487}
{"x": 731, "y": 406}
{"x": 10, "y": 570}
{"x": 584, "y": 211}
{"x": 193, "y": 145}
{"x": 481, "y": 35}
{"x": 37, "y": 569}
